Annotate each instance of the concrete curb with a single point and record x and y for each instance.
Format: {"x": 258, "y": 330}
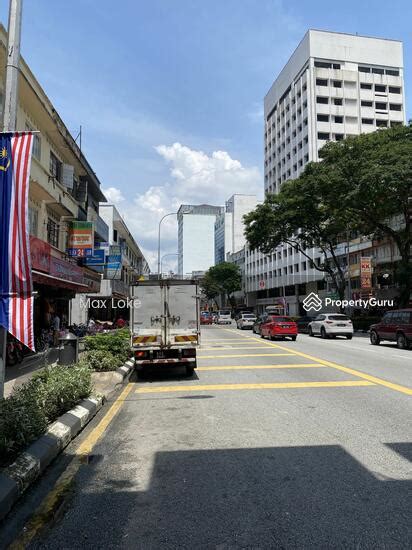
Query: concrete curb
{"x": 31, "y": 463}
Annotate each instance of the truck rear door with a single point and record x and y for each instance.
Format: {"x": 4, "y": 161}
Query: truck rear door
{"x": 146, "y": 315}
{"x": 182, "y": 314}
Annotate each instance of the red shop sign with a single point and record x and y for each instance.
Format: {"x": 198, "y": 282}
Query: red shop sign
{"x": 66, "y": 270}
{"x": 40, "y": 254}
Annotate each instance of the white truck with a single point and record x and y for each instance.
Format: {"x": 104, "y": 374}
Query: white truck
{"x": 165, "y": 323}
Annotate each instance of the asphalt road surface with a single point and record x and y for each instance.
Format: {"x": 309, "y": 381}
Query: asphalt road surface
{"x": 284, "y": 444}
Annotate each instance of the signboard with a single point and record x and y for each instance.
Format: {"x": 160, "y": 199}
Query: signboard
{"x": 62, "y": 269}
{"x": 96, "y": 259}
{"x": 40, "y": 254}
{"x": 262, "y": 284}
{"x": 80, "y": 244}
{"x": 113, "y": 267}
{"x": 366, "y": 272}
{"x": 92, "y": 280}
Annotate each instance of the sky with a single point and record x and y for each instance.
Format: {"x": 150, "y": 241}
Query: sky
{"x": 169, "y": 94}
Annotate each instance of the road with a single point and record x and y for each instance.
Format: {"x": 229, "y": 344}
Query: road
{"x": 303, "y": 444}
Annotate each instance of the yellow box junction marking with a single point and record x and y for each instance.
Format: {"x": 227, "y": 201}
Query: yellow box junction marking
{"x": 251, "y": 367}
{"x": 258, "y": 386}
{"x": 228, "y": 348}
{"x": 354, "y": 372}
{"x": 40, "y": 517}
{"x": 243, "y": 355}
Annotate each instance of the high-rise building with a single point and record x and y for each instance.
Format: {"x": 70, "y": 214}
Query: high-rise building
{"x": 229, "y": 228}
{"x": 334, "y": 85}
{"x": 196, "y": 237}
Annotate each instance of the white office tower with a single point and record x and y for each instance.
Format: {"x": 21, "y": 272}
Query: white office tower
{"x": 229, "y": 228}
{"x": 196, "y": 237}
{"x": 333, "y": 86}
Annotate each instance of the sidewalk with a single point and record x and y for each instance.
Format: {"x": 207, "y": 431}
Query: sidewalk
{"x": 18, "y": 374}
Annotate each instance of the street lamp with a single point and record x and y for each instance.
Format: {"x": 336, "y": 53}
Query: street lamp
{"x": 165, "y": 256}
{"x": 158, "y": 241}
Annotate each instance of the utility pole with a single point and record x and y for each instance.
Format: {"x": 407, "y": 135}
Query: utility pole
{"x": 10, "y": 121}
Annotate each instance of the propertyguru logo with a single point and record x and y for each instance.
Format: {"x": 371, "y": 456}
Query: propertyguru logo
{"x": 313, "y": 302}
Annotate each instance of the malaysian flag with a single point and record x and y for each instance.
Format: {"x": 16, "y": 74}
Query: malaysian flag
{"x": 16, "y": 300}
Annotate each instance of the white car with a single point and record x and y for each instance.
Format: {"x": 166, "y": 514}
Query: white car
{"x": 224, "y": 317}
{"x": 330, "y": 325}
{"x": 246, "y": 320}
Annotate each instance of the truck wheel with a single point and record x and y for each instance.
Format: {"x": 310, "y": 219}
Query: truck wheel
{"x": 190, "y": 371}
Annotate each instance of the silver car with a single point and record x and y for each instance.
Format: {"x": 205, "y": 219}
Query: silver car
{"x": 246, "y": 320}
{"x": 331, "y": 325}
{"x": 224, "y": 317}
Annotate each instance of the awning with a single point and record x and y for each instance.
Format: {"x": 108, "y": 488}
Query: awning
{"x": 46, "y": 279}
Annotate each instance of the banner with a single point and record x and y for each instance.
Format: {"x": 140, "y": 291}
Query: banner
{"x": 16, "y": 296}
{"x": 81, "y": 239}
{"x": 366, "y": 272}
{"x": 113, "y": 266}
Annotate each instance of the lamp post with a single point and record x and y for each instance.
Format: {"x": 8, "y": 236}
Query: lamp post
{"x": 158, "y": 242}
{"x": 165, "y": 256}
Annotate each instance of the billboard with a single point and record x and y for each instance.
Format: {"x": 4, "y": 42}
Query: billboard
{"x": 366, "y": 272}
{"x": 113, "y": 266}
{"x": 80, "y": 243}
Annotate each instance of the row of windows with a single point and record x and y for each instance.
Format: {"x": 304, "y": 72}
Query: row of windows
{"x": 382, "y": 106}
{"x": 338, "y": 119}
{"x": 326, "y": 65}
{"x": 381, "y": 88}
{"x": 325, "y": 136}
{"x": 378, "y": 70}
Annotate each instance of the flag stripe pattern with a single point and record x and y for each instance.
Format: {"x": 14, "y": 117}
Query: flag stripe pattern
{"x": 16, "y": 300}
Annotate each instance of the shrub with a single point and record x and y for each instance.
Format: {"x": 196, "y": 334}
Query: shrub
{"x": 117, "y": 343}
{"x": 99, "y": 360}
{"x": 24, "y": 415}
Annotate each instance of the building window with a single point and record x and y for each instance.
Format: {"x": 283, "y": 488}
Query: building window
{"x": 36, "y": 149}
{"x": 337, "y": 84}
{"x": 364, "y": 69}
{"x": 394, "y": 90}
{"x": 339, "y": 137}
{"x": 322, "y": 100}
{"x": 366, "y": 86}
{"x": 322, "y": 118}
{"x": 395, "y": 107}
{"x": 323, "y": 135}
{"x": 367, "y": 121}
{"x": 366, "y": 103}
{"x": 381, "y": 106}
{"x": 380, "y": 88}
{"x": 376, "y": 70}
{"x": 323, "y": 65}
{"x": 382, "y": 123}
{"x": 33, "y": 221}
{"x": 53, "y": 232}
{"x": 55, "y": 166}
{"x": 338, "y": 119}
{"x": 392, "y": 72}
{"x": 395, "y": 123}
{"x": 321, "y": 82}
{"x": 338, "y": 101}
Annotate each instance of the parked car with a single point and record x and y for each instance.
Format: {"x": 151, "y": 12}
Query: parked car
{"x": 258, "y": 323}
{"x": 206, "y": 318}
{"x": 303, "y": 323}
{"x": 246, "y": 320}
{"x": 331, "y": 325}
{"x": 278, "y": 326}
{"x": 224, "y": 317}
{"x": 395, "y": 326}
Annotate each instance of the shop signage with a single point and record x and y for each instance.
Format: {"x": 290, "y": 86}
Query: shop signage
{"x": 113, "y": 267}
{"x": 40, "y": 254}
{"x": 62, "y": 269}
{"x": 80, "y": 244}
{"x": 98, "y": 258}
{"x": 92, "y": 280}
{"x": 366, "y": 272}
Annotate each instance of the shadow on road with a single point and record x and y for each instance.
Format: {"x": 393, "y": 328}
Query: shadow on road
{"x": 284, "y": 497}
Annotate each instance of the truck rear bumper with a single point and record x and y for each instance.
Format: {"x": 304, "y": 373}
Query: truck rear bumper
{"x": 182, "y": 361}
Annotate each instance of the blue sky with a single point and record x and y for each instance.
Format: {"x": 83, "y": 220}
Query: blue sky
{"x": 170, "y": 94}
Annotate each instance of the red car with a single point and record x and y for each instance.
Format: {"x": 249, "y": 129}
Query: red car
{"x": 395, "y": 326}
{"x": 278, "y": 326}
{"x": 206, "y": 318}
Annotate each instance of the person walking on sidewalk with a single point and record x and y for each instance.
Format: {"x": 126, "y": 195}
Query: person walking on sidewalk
{"x": 56, "y": 329}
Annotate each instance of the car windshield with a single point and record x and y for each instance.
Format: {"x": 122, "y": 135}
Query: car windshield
{"x": 339, "y": 318}
{"x": 224, "y": 312}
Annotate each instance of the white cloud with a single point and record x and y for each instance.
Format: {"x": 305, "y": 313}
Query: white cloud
{"x": 195, "y": 178}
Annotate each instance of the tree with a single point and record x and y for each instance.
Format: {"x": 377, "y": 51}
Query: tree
{"x": 370, "y": 176}
{"x": 223, "y": 278}
{"x": 298, "y": 216}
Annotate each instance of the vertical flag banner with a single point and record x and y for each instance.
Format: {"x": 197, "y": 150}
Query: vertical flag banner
{"x": 16, "y": 299}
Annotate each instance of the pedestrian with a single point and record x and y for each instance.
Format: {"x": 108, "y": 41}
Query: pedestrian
{"x": 120, "y": 323}
{"x": 56, "y": 329}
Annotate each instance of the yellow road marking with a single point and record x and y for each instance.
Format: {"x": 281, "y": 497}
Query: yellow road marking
{"x": 285, "y": 366}
{"x": 258, "y": 386}
{"x": 243, "y": 355}
{"x": 221, "y": 348}
{"x": 359, "y": 374}
{"x": 45, "y": 510}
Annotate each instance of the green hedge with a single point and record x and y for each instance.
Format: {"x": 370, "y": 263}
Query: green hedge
{"x": 117, "y": 343}
{"x": 101, "y": 361}
{"x": 25, "y": 415}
